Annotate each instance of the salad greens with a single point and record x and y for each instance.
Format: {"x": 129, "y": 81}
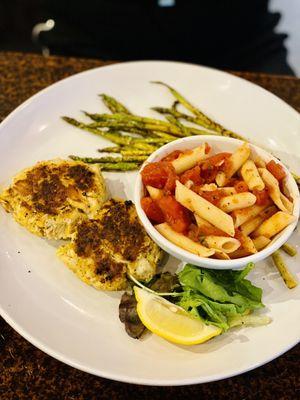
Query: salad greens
{"x": 222, "y": 298}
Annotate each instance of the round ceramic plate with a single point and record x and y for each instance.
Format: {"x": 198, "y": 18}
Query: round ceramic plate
{"x": 79, "y": 325}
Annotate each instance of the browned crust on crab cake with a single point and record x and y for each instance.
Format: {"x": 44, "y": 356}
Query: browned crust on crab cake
{"x": 103, "y": 250}
{"x": 50, "y": 198}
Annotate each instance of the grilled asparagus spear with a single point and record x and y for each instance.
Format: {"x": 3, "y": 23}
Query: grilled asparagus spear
{"x": 202, "y": 118}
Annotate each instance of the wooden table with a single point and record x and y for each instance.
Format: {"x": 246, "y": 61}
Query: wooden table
{"x": 28, "y": 373}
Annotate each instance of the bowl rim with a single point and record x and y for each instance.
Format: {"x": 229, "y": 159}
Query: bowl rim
{"x": 185, "y": 255}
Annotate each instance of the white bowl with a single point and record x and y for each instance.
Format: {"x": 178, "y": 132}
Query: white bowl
{"x": 219, "y": 144}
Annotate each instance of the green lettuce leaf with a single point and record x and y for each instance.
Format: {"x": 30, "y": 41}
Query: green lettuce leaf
{"x": 218, "y": 297}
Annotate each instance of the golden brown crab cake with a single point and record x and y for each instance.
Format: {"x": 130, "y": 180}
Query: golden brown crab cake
{"x": 50, "y": 198}
{"x": 124, "y": 236}
{"x": 103, "y": 250}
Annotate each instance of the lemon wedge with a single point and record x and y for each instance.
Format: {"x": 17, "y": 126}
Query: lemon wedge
{"x": 171, "y": 322}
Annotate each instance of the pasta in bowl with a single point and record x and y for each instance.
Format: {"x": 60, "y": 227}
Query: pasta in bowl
{"x": 216, "y": 202}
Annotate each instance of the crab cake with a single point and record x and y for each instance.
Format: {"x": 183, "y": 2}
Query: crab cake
{"x": 50, "y": 198}
{"x": 103, "y": 250}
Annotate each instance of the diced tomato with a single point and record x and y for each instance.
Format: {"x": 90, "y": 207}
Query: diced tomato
{"x": 207, "y": 148}
{"x": 192, "y": 174}
{"x": 232, "y": 181}
{"x": 213, "y": 196}
{"x": 174, "y": 213}
{"x": 276, "y": 170}
{"x": 171, "y": 181}
{"x": 172, "y": 156}
{"x": 152, "y": 210}
{"x": 209, "y": 175}
{"x": 160, "y": 175}
{"x": 262, "y": 196}
{"x": 196, "y": 189}
{"x": 215, "y": 161}
{"x": 226, "y": 165}
{"x": 155, "y": 174}
{"x": 241, "y": 186}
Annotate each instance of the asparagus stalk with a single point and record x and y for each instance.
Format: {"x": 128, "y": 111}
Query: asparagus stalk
{"x": 104, "y": 120}
{"x": 115, "y": 126}
{"x": 182, "y": 100}
{"x": 114, "y": 105}
{"x": 170, "y": 112}
{"x": 206, "y": 122}
{"x": 125, "y": 151}
{"x": 134, "y": 121}
{"x": 113, "y": 149}
{"x": 134, "y": 152}
{"x": 286, "y": 275}
{"x": 175, "y": 105}
{"x": 164, "y": 135}
{"x": 176, "y": 122}
{"x": 115, "y": 137}
{"x": 95, "y": 160}
{"x": 121, "y": 166}
{"x": 289, "y": 249}
{"x": 145, "y": 146}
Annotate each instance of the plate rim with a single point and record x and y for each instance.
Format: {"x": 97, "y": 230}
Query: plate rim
{"x": 117, "y": 64}
{"x": 128, "y": 379}
{"x": 115, "y": 376}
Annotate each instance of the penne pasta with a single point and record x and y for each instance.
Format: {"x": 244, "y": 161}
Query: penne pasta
{"x": 239, "y": 253}
{"x": 237, "y": 201}
{"x": 244, "y": 215}
{"x": 238, "y": 205}
{"x": 183, "y": 241}
{"x": 250, "y": 226}
{"x": 202, "y": 222}
{"x": 205, "y": 228}
{"x": 189, "y": 184}
{"x": 275, "y": 224}
{"x": 259, "y": 162}
{"x": 209, "y": 187}
{"x": 189, "y": 159}
{"x": 204, "y": 209}
{"x": 261, "y": 242}
{"x": 287, "y": 203}
{"x": 154, "y": 193}
{"x": 235, "y": 161}
{"x": 222, "y": 243}
{"x": 272, "y": 184}
{"x": 247, "y": 244}
{"x": 251, "y": 176}
{"x": 221, "y": 255}
{"x": 221, "y": 179}
{"x": 285, "y": 189}
{"x": 228, "y": 190}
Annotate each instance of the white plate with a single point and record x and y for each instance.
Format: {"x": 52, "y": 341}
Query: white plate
{"x": 75, "y": 323}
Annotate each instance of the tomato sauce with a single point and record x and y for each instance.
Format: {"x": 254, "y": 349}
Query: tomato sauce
{"x": 177, "y": 216}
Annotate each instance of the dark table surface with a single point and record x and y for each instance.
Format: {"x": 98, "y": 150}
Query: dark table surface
{"x": 28, "y": 373}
